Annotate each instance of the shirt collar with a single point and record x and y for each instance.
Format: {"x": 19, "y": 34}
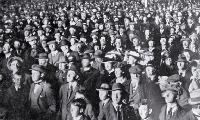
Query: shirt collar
{"x": 173, "y": 106}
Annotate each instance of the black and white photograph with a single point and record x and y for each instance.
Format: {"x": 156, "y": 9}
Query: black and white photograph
{"x": 99, "y": 59}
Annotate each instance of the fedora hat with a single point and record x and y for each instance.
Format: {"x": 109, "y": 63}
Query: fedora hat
{"x": 98, "y": 54}
{"x": 194, "y": 97}
{"x": 42, "y": 56}
{"x": 37, "y": 68}
{"x": 51, "y": 42}
{"x": 173, "y": 78}
{"x": 10, "y": 60}
{"x": 104, "y": 86}
{"x": 117, "y": 86}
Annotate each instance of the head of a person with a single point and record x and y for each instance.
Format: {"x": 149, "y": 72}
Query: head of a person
{"x": 150, "y": 70}
{"x": 193, "y": 67}
{"x": 43, "y": 59}
{"x": 15, "y": 65}
{"x": 108, "y": 65}
{"x": 194, "y": 101}
{"x": 72, "y": 75}
{"x": 6, "y": 48}
{"x": 181, "y": 63}
{"x": 37, "y": 72}
{"x": 117, "y": 93}
{"x": 17, "y": 44}
{"x": 119, "y": 71}
{"x": 52, "y": 46}
{"x": 144, "y": 109}
{"x": 77, "y": 107}
{"x": 135, "y": 41}
{"x": 85, "y": 60}
{"x": 170, "y": 95}
{"x": 118, "y": 43}
{"x": 104, "y": 91}
{"x": 17, "y": 79}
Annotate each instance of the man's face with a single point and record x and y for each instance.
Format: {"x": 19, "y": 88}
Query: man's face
{"x": 14, "y": 66}
{"x": 180, "y": 65}
{"x": 151, "y": 43}
{"x": 33, "y": 43}
{"x": 117, "y": 96}
{"x": 118, "y": 72}
{"x": 17, "y": 44}
{"x": 131, "y": 60}
{"x": 163, "y": 41}
{"x": 143, "y": 111}
{"x": 118, "y": 43}
{"x": 135, "y": 42}
{"x": 103, "y": 94}
{"x": 17, "y": 80}
{"x": 6, "y": 48}
{"x": 35, "y": 75}
{"x": 185, "y": 44}
{"x": 103, "y": 40}
{"x": 149, "y": 70}
{"x": 52, "y": 47}
{"x": 194, "y": 70}
{"x": 85, "y": 62}
{"x": 65, "y": 48}
{"x": 108, "y": 66}
{"x": 70, "y": 76}
{"x": 169, "y": 96}
{"x": 75, "y": 111}
{"x": 43, "y": 62}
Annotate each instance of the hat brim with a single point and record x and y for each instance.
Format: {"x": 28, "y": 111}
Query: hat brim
{"x": 13, "y": 58}
{"x": 102, "y": 89}
{"x": 192, "y": 102}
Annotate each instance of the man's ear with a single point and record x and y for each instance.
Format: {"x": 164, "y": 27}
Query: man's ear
{"x": 42, "y": 75}
{"x": 81, "y": 110}
{"x": 150, "y": 111}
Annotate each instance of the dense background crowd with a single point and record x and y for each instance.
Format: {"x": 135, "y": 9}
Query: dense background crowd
{"x": 100, "y": 60}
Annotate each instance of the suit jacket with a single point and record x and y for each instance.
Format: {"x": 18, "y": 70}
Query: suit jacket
{"x": 54, "y": 59}
{"x": 189, "y": 116}
{"x": 66, "y": 97}
{"x": 178, "y": 115}
{"x": 109, "y": 113}
{"x": 101, "y": 107}
{"x": 44, "y": 96}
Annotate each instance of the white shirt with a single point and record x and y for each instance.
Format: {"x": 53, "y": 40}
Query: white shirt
{"x": 72, "y": 85}
{"x": 54, "y": 53}
{"x": 173, "y": 106}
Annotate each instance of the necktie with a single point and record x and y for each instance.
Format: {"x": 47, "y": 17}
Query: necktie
{"x": 169, "y": 114}
{"x": 118, "y": 113}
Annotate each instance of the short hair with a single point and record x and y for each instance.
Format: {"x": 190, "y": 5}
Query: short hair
{"x": 81, "y": 103}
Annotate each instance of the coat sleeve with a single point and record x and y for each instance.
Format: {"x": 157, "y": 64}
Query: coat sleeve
{"x": 50, "y": 98}
{"x": 90, "y": 112}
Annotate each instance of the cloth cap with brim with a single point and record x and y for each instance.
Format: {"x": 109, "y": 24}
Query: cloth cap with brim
{"x": 10, "y": 60}
{"x": 27, "y": 28}
{"x": 106, "y": 59}
{"x": 135, "y": 69}
{"x": 64, "y": 43}
{"x": 104, "y": 86}
{"x": 185, "y": 39}
{"x": 42, "y": 56}
{"x": 71, "y": 58}
{"x": 51, "y": 42}
{"x": 86, "y": 56}
{"x": 89, "y": 51}
{"x": 194, "y": 97}
{"x": 37, "y": 68}
{"x": 98, "y": 54}
{"x": 173, "y": 78}
{"x": 117, "y": 86}
{"x": 134, "y": 54}
{"x": 63, "y": 59}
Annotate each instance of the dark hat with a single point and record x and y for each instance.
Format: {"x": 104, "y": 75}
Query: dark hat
{"x": 104, "y": 86}
{"x": 51, "y": 42}
{"x": 73, "y": 68}
{"x": 62, "y": 59}
{"x": 185, "y": 39}
{"x": 173, "y": 78}
{"x": 86, "y": 56}
{"x": 106, "y": 59}
{"x": 37, "y": 68}
{"x": 42, "y": 56}
{"x": 194, "y": 97}
{"x": 135, "y": 69}
{"x": 117, "y": 86}
{"x": 98, "y": 54}
{"x": 181, "y": 58}
{"x": 65, "y": 42}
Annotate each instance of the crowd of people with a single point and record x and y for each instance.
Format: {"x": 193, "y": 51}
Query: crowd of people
{"x": 100, "y": 60}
